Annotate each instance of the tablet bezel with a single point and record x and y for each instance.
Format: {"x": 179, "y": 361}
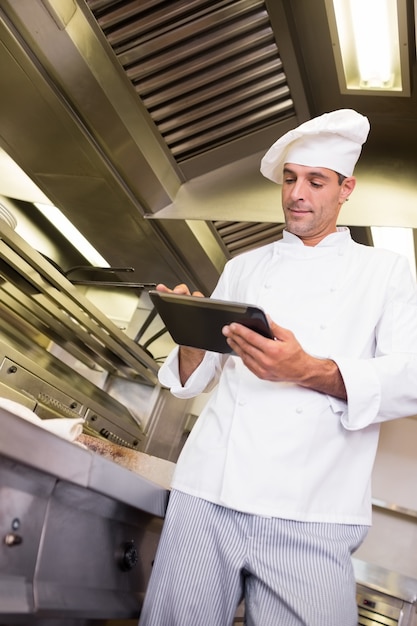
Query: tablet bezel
{"x": 197, "y": 322}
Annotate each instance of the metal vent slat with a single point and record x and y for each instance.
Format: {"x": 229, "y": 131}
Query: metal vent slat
{"x": 220, "y": 110}
{"x": 167, "y": 54}
{"x": 188, "y": 76}
{"x": 375, "y": 620}
{"x": 233, "y": 18}
{"x": 215, "y": 81}
{"x": 185, "y": 18}
{"x": 113, "y": 13}
{"x": 217, "y": 97}
{"x": 245, "y": 230}
{"x": 238, "y": 237}
{"x": 121, "y": 20}
{"x": 208, "y": 72}
{"x": 236, "y": 128}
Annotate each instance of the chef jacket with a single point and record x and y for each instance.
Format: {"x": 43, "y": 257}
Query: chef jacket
{"x": 276, "y": 448}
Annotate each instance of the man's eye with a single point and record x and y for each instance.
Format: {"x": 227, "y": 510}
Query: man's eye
{"x": 316, "y": 185}
{"x": 289, "y": 180}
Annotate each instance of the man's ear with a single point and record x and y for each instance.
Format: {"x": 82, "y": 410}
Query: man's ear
{"x": 347, "y": 187}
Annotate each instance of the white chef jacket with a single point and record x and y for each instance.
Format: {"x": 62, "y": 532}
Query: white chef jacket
{"x": 278, "y": 449}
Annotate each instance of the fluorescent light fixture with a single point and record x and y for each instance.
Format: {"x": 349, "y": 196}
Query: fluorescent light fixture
{"x": 415, "y": 22}
{"x": 397, "y": 239}
{"x": 14, "y": 183}
{"x": 68, "y": 230}
{"x": 370, "y": 46}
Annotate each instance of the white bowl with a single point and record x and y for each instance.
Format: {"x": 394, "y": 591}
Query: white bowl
{"x": 7, "y": 217}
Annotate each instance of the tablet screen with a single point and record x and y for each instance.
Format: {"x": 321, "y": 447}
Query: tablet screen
{"x": 198, "y": 322}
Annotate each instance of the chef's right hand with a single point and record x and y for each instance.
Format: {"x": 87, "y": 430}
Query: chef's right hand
{"x": 188, "y": 358}
{"x": 181, "y": 290}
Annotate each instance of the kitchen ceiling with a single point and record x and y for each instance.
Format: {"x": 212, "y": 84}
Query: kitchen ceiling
{"x": 145, "y": 121}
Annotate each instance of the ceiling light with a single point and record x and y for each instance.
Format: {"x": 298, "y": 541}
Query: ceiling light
{"x": 370, "y": 46}
{"x": 400, "y": 240}
{"x": 68, "y": 230}
{"x": 16, "y": 184}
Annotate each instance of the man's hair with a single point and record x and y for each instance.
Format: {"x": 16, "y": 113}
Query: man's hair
{"x": 340, "y": 178}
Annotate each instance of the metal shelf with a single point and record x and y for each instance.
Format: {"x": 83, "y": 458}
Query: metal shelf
{"x": 43, "y": 302}
{"x": 395, "y": 509}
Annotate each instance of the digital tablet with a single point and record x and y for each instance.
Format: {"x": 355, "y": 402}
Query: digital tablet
{"x": 198, "y": 322}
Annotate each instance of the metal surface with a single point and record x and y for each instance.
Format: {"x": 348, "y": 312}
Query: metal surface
{"x": 237, "y": 85}
{"x": 239, "y": 237}
{"x": 384, "y": 597}
{"x": 385, "y": 581}
{"x": 59, "y": 305}
{"x": 51, "y": 389}
{"x": 150, "y": 99}
{"x": 34, "y": 377}
{"x": 99, "y": 178}
{"x": 78, "y": 533}
{"x": 52, "y": 338}
{"x": 395, "y": 509}
{"x": 375, "y": 609}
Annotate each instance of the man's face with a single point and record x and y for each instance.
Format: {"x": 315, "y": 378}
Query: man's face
{"x": 311, "y": 200}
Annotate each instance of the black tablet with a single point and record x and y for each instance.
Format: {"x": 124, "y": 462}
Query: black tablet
{"x": 198, "y": 322}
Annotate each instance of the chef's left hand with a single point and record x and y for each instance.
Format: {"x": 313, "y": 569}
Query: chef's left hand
{"x": 279, "y": 359}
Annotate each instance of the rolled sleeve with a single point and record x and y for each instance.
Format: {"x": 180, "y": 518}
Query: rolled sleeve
{"x": 201, "y": 380}
{"x": 378, "y": 389}
{"x": 364, "y": 394}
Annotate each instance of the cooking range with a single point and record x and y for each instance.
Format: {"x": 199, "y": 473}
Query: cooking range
{"x": 78, "y": 532}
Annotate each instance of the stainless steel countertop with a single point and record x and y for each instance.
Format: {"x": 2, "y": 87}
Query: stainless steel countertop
{"x": 35, "y": 447}
{"x": 385, "y": 581}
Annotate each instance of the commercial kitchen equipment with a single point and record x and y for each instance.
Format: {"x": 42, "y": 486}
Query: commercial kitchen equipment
{"x": 384, "y": 597}
{"x": 40, "y": 308}
{"x": 78, "y": 532}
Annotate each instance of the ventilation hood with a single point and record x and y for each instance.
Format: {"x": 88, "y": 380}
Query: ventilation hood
{"x": 144, "y": 122}
{"x": 97, "y": 116}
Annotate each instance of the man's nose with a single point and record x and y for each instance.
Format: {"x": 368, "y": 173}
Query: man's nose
{"x": 297, "y": 190}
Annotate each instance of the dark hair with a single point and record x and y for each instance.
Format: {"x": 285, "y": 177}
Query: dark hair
{"x": 340, "y": 178}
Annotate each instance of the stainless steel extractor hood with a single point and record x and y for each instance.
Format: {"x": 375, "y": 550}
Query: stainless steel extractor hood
{"x": 145, "y": 122}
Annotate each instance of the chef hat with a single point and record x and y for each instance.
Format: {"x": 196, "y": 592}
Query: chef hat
{"x": 333, "y": 140}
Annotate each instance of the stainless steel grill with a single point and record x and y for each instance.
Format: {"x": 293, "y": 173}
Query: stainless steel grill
{"x": 51, "y": 390}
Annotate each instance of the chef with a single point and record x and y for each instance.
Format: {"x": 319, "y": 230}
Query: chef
{"x": 272, "y": 491}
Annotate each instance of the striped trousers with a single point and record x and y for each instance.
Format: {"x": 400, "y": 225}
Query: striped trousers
{"x": 290, "y": 573}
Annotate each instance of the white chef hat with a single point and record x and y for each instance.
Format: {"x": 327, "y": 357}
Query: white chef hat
{"x": 333, "y": 140}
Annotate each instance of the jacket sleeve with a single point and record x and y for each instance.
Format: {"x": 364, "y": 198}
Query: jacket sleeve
{"x": 203, "y": 379}
{"x": 207, "y": 374}
{"x": 385, "y": 387}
